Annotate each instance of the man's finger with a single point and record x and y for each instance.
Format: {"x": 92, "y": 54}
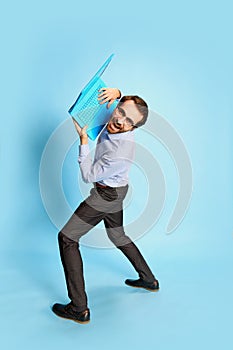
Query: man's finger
{"x": 100, "y": 97}
{"x": 77, "y": 126}
{"x": 110, "y": 102}
{"x": 76, "y": 123}
{"x": 104, "y": 94}
{"x": 104, "y": 100}
{"x": 85, "y": 128}
{"x": 102, "y": 89}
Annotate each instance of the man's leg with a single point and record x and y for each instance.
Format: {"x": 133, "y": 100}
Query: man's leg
{"x": 73, "y": 269}
{"x": 83, "y": 219}
{"x": 114, "y": 226}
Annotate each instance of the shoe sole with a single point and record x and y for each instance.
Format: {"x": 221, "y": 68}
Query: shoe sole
{"x": 85, "y": 322}
{"x": 67, "y": 318}
{"x": 150, "y": 290}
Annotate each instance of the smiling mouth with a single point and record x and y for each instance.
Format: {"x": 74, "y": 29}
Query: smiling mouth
{"x": 114, "y": 127}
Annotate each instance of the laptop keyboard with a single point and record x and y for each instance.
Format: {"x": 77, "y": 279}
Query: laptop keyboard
{"x": 90, "y": 107}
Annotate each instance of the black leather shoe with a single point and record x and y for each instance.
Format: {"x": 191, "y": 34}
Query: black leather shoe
{"x": 152, "y": 286}
{"x": 67, "y": 311}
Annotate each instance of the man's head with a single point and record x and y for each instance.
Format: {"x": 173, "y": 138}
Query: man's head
{"x": 130, "y": 113}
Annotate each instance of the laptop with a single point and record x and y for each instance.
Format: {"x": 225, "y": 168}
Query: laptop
{"x": 87, "y": 111}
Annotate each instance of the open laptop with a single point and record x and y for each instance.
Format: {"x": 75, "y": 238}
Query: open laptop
{"x": 87, "y": 111}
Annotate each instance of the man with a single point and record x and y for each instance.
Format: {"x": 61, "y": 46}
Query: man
{"x": 109, "y": 174}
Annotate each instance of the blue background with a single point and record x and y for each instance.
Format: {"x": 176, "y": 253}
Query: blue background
{"x": 178, "y": 56}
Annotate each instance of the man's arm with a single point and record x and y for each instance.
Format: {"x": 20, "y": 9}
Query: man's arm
{"x": 82, "y": 132}
{"x": 107, "y": 166}
{"x": 104, "y": 167}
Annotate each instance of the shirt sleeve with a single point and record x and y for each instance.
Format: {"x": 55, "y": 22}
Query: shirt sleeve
{"x": 102, "y": 169}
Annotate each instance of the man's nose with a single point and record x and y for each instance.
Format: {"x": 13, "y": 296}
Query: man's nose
{"x": 120, "y": 120}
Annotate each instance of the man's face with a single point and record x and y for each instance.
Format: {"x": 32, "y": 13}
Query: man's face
{"x": 124, "y": 117}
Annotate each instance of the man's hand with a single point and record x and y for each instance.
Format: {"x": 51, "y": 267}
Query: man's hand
{"x": 108, "y": 94}
{"x": 82, "y": 132}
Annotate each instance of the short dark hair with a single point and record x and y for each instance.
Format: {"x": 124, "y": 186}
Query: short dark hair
{"x": 141, "y": 106}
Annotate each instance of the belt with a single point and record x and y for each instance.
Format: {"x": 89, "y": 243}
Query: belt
{"x": 97, "y": 184}
{"x": 102, "y": 186}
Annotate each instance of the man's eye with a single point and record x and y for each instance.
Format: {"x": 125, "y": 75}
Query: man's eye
{"x": 121, "y": 111}
{"x": 129, "y": 121}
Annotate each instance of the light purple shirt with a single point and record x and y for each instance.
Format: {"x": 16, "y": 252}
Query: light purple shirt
{"x": 114, "y": 155}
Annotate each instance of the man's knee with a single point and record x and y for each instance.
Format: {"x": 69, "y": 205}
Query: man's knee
{"x": 118, "y": 236}
{"x": 62, "y": 238}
